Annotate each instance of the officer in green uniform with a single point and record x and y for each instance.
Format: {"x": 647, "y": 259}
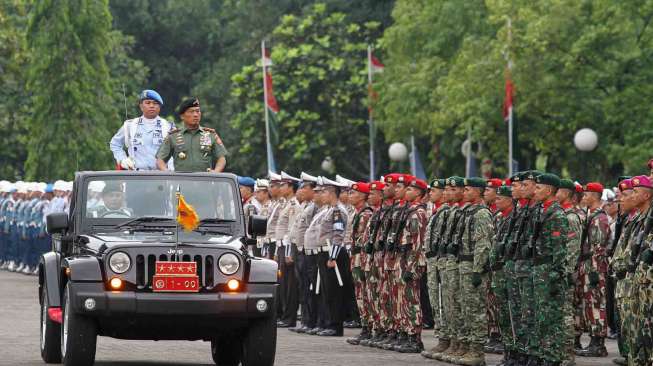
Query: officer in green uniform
{"x": 195, "y": 148}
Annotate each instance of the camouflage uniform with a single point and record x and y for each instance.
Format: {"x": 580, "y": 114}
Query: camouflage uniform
{"x": 392, "y": 302}
{"x": 358, "y": 261}
{"x": 476, "y": 235}
{"x": 432, "y": 238}
{"x": 619, "y": 265}
{"x": 592, "y": 271}
{"x": 573, "y": 252}
{"x": 503, "y": 223}
{"x": 641, "y": 296}
{"x": 548, "y": 251}
{"x": 410, "y": 266}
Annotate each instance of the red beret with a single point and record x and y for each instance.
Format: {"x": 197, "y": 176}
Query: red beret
{"x": 507, "y": 182}
{"x": 419, "y": 184}
{"x": 625, "y": 185}
{"x": 376, "y": 186}
{"x": 579, "y": 187}
{"x": 406, "y": 179}
{"x": 494, "y": 183}
{"x": 641, "y": 181}
{"x": 392, "y": 177}
{"x": 594, "y": 187}
{"x": 361, "y": 187}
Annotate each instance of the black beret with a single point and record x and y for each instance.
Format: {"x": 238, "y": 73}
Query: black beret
{"x": 188, "y": 103}
{"x": 475, "y": 182}
{"x": 548, "y": 179}
{"x": 505, "y": 191}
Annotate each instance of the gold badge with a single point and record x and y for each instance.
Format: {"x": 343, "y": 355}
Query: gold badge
{"x": 182, "y": 155}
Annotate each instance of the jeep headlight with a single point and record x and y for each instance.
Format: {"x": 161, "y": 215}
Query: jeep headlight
{"x": 228, "y": 264}
{"x": 119, "y": 262}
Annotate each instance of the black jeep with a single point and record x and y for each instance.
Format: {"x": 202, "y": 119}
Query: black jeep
{"x": 123, "y": 267}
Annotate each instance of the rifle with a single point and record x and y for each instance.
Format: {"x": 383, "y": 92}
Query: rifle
{"x": 583, "y": 238}
{"x": 618, "y": 228}
{"x": 514, "y": 243}
{"x": 435, "y": 238}
{"x": 537, "y": 228}
{"x": 641, "y": 236}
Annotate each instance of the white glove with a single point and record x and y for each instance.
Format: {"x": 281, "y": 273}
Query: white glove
{"x": 128, "y": 164}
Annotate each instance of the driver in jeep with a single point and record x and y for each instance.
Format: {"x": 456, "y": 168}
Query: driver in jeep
{"x": 113, "y": 202}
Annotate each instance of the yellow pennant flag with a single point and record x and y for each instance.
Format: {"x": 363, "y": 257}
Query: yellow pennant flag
{"x": 186, "y": 215}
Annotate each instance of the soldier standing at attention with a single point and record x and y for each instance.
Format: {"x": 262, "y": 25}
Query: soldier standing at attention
{"x": 357, "y": 234}
{"x": 490, "y": 195}
{"x": 195, "y": 148}
{"x": 593, "y": 268}
{"x": 432, "y": 238}
{"x": 493, "y": 344}
{"x": 475, "y": 241}
{"x": 412, "y": 266}
{"x": 141, "y": 136}
{"x": 564, "y": 196}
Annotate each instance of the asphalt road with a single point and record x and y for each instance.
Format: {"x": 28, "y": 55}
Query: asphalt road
{"x": 19, "y": 341}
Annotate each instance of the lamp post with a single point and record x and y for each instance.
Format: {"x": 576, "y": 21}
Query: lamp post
{"x": 585, "y": 141}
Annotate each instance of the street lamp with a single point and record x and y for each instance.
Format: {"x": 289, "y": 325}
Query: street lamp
{"x": 328, "y": 165}
{"x": 585, "y": 141}
{"x": 398, "y": 152}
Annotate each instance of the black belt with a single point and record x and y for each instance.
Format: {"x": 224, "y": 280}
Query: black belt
{"x": 585, "y": 256}
{"x": 542, "y": 260}
{"x": 465, "y": 258}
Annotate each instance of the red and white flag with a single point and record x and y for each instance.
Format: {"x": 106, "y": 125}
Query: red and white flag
{"x": 508, "y": 100}
{"x": 375, "y": 65}
{"x": 271, "y": 101}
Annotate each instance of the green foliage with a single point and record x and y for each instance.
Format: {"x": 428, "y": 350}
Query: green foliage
{"x": 320, "y": 83}
{"x": 576, "y": 64}
{"x": 74, "y": 109}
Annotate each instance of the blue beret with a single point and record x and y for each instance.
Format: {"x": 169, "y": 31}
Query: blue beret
{"x": 246, "y": 181}
{"x": 151, "y": 94}
{"x": 49, "y": 188}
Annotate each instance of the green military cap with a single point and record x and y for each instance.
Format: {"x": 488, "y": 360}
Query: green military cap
{"x": 567, "y": 184}
{"x": 531, "y": 175}
{"x": 505, "y": 191}
{"x": 456, "y": 181}
{"x": 548, "y": 179}
{"x": 438, "y": 183}
{"x": 475, "y": 182}
{"x": 517, "y": 177}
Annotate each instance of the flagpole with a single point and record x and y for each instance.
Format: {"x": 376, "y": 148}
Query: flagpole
{"x": 268, "y": 146}
{"x": 468, "y": 161}
{"x": 413, "y": 158}
{"x": 370, "y": 120}
{"x": 510, "y": 133}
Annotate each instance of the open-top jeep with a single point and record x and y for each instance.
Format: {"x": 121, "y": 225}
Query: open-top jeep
{"x": 121, "y": 266}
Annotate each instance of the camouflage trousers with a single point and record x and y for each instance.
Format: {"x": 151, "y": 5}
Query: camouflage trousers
{"x": 432, "y": 277}
{"x": 386, "y": 302}
{"x": 569, "y": 322}
{"x": 521, "y": 301}
{"x": 629, "y": 320}
{"x": 472, "y": 307}
{"x": 374, "y": 278}
{"x": 492, "y": 309}
{"x": 450, "y": 293}
{"x": 643, "y": 313}
{"x": 592, "y": 317}
{"x": 360, "y": 293}
{"x": 548, "y": 314}
{"x": 410, "y": 309}
{"x": 500, "y": 284}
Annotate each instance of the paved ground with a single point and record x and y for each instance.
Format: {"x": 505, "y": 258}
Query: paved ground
{"x": 19, "y": 345}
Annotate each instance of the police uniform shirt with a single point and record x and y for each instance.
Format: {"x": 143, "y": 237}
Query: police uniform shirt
{"x": 311, "y": 238}
{"x": 287, "y": 219}
{"x": 142, "y": 137}
{"x": 194, "y": 150}
{"x": 332, "y": 227}
{"x": 302, "y": 222}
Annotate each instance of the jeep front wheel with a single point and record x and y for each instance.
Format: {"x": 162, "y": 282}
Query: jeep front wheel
{"x": 260, "y": 342}
{"x": 50, "y": 333}
{"x": 78, "y": 335}
{"x": 226, "y": 351}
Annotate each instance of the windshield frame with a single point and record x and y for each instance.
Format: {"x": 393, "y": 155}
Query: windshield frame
{"x": 85, "y": 225}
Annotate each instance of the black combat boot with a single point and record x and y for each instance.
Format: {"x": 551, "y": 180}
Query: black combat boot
{"x": 577, "y": 345}
{"x": 413, "y": 344}
{"x": 390, "y": 338}
{"x": 364, "y": 334}
{"x": 596, "y": 348}
{"x": 402, "y": 338}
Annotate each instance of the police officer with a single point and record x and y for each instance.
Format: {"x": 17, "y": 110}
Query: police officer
{"x": 195, "y": 148}
{"x": 141, "y": 136}
{"x": 250, "y": 205}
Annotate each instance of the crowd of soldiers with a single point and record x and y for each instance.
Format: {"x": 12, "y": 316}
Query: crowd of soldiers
{"x": 23, "y": 208}
{"x": 523, "y": 266}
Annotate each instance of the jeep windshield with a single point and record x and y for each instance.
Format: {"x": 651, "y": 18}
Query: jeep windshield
{"x": 128, "y": 204}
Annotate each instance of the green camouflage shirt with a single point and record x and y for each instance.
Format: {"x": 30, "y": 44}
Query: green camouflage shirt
{"x": 194, "y": 150}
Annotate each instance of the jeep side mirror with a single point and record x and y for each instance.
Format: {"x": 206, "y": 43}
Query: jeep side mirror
{"x": 257, "y": 226}
{"x": 56, "y": 223}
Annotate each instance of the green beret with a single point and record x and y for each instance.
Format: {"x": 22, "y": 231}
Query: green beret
{"x": 517, "y": 177}
{"x": 188, "y": 103}
{"x": 475, "y": 182}
{"x": 567, "y": 184}
{"x": 505, "y": 191}
{"x": 548, "y": 179}
{"x": 456, "y": 181}
{"x": 531, "y": 175}
{"x": 438, "y": 183}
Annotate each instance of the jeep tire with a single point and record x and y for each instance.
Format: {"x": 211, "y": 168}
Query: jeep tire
{"x": 50, "y": 335}
{"x": 260, "y": 341}
{"x": 226, "y": 351}
{"x": 78, "y": 335}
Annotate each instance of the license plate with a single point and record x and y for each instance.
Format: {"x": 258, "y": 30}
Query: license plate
{"x": 175, "y": 277}
{"x": 175, "y": 283}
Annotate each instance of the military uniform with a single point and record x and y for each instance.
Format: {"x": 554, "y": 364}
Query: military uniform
{"x": 290, "y": 304}
{"x": 194, "y": 150}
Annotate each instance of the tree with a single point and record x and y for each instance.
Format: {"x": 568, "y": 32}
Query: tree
{"x": 73, "y": 111}
{"x": 320, "y": 81}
